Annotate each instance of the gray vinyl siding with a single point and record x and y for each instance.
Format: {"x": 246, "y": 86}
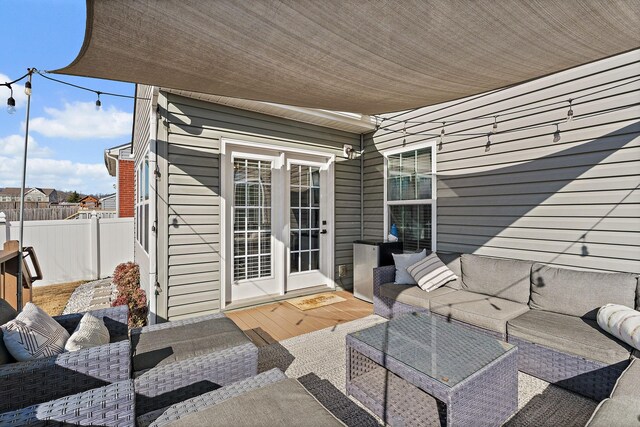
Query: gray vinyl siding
{"x": 141, "y": 135}
{"x": 575, "y": 202}
{"x": 193, "y": 131}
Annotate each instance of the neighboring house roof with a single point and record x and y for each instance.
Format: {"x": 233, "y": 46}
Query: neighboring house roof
{"x": 88, "y": 199}
{"x": 47, "y": 191}
{"x": 112, "y": 155}
{"x": 12, "y": 191}
{"x": 350, "y": 55}
{"x": 110, "y": 196}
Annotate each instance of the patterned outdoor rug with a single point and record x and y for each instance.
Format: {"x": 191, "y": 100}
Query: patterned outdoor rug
{"x": 315, "y": 301}
{"x": 317, "y": 359}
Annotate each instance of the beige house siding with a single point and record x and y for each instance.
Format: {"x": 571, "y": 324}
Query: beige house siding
{"x": 574, "y": 202}
{"x": 193, "y": 131}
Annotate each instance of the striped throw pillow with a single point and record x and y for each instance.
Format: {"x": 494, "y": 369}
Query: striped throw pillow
{"x": 621, "y": 322}
{"x": 430, "y": 273}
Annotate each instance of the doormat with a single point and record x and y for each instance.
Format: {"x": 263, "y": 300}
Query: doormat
{"x": 315, "y": 301}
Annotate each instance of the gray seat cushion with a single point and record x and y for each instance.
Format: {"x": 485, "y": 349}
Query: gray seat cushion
{"x": 629, "y": 382}
{"x": 503, "y": 278}
{"x": 579, "y": 293}
{"x": 621, "y": 411}
{"x": 285, "y": 403}
{"x": 569, "y": 334}
{"x": 452, "y": 261}
{"x": 477, "y": 309}
{"x": 7, "y": 313}
{"x": 412, "y": 295}
{"x": 169, "y": 345}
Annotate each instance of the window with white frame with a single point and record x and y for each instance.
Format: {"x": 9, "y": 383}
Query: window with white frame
{"x": 410, "y": 196}
{"x": 142, "y": 203}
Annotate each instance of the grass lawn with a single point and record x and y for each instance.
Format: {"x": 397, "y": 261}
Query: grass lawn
{"x": 53, "y": 298}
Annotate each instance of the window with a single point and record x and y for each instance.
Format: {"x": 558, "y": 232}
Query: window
{"x": 142, "y": 203}
{"x": 410, "y": 197}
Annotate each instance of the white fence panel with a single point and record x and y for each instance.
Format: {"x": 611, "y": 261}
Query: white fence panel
{"x": 81, "y": 249}
{"x": 116, "y": 243}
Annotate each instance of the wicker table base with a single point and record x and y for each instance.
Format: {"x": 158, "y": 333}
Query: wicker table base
{"x": 400, "y": 395}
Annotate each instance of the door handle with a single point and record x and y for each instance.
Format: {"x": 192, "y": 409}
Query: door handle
{"x": 323, "y": 232}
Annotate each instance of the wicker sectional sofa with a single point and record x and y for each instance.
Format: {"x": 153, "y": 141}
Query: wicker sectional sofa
{"x": 549, "y": 312}
{"x": 37, "y": 381}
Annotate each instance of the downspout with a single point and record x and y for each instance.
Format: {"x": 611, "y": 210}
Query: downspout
{"x": 361, "y": 186}
{"x": 154, "y": 285}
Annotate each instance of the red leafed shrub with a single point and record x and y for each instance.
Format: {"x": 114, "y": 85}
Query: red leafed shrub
{"x": 126, "y": 277}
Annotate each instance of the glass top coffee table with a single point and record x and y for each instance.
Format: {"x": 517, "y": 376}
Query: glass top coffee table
{"x": 422, "y": 369}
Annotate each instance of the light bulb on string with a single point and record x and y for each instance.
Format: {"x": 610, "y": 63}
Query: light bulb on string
{"x": 11, "y": 103}
{"x": 404, "y": 133}
{"x": 556, "y": 134}
{"x": 495, "y": 124}
{"x": 27, "y": 88}
{"x": 98, "y": 103}
{"x": 487, "y": 146}
{"x": 570, "y": 112}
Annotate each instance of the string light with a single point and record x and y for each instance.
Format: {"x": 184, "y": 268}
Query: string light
{"x": 11, "y": 103}
{"x": 495, "y": 124}
{"x": 570, "y": 112}
{"x": 487, "y": 146}
{"x": 442, "y": 132}
{"x": 27, "y": 88}
{"x": 98, "y": 103}
{"x": 556, "y": 134}
{"x": 404, "y": 133}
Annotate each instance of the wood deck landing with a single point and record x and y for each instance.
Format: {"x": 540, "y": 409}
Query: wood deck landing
{"x": 278, "y": 321}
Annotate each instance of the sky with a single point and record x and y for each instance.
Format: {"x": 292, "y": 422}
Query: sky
{"x": 67, "y": 135}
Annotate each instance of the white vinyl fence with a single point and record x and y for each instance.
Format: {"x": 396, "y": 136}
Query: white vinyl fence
{"x": 80, "y": 249}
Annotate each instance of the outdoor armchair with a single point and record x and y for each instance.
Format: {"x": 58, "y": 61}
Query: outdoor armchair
{"x": 178, "y": 360}
{"x": 41, "y": 380}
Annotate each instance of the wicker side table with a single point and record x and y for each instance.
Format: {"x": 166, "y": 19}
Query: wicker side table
{"x": 413, "y": 387}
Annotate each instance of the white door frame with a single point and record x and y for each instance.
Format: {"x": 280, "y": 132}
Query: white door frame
{"x": 227, "y": 146}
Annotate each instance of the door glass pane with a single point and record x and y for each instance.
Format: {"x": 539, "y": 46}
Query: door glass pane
{"x": 251, "y": 219}
{"x": 304, "y": 222}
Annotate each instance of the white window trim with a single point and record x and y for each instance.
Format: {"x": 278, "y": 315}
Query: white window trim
{"x": 434, "y": 194}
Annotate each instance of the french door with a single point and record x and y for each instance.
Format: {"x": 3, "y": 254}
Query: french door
{"x": 278, "y": 221}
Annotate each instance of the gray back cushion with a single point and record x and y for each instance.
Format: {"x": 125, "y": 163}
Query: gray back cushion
{"x": 579, "y": 293}
{"x": 503, "y": 278}
{"x": 404, "y": 261}
{"x": 452, "y": 261}
{"x": 7, "y": 313}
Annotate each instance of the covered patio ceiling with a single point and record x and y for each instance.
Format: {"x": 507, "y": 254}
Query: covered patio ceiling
{"x": 349, "y": 55}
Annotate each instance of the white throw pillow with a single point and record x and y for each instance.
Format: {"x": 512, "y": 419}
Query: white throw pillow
{"x": 431, "y": 273}
{"x": 33, "y": 334}
{"x": 622, "y": 322}
{"x": 90, "y": 332}
{"x": 402, "y": 261}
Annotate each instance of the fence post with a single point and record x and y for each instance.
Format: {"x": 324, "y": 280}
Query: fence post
{"x": 4, "y": 229}
{"x": 95, "y": 246}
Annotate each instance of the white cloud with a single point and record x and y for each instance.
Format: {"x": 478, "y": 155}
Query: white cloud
{"x": 59, "y": 174}
{"x": 18, "y": 92}
{"x": 81, "y": 120}
{"x": 13, "y": 146}
{"x": 44, "y": 171}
